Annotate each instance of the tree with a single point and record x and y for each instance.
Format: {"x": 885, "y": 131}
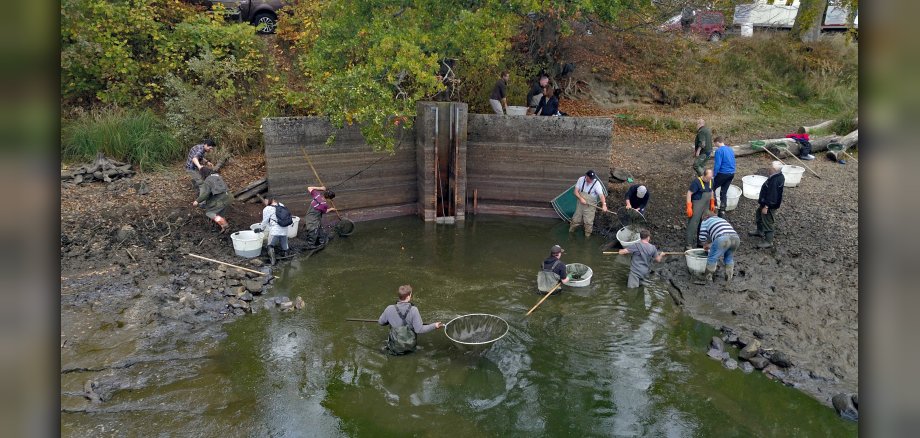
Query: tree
{"x": 808, "y": 19}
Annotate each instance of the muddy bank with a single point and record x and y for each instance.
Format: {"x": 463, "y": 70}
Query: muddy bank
{"x": 799, "y": 298}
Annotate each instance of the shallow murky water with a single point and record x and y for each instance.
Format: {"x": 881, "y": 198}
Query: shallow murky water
{"x": 594, "y": 361}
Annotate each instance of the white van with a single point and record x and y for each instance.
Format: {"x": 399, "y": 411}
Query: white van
{"x": 780, "y": 14}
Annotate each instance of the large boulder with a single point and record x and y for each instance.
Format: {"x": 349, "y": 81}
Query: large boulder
{"x": 254, "y": 286}
{"x": 846, "y": 406}
{"x": 759, "y": 362}
{"x": 750, "y": 350}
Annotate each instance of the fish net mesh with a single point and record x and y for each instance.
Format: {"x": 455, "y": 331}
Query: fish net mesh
{"x": 576, "y": 270}
{"x": 344, "y": 227}
{"x": 631, "y": 219}
{"x": 476, "y": 329}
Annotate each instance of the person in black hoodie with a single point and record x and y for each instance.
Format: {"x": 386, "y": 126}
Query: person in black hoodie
{"x": 549, "y": 103}
{"x": 771, "y": 196}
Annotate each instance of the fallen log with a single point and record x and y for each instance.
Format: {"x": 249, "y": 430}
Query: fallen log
{"x": 846, "y": 142}
{"x": 819, "y": 126}
{"x": 817, "y": 145}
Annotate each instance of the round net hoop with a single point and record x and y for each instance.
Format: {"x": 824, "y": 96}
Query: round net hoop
{"x": 631, "y": 218}
{"x": 344, "y": 227}
{"x": 476, "y": 329}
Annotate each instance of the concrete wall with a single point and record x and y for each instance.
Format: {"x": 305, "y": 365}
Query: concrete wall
{"x": 518, "y": 164}
{"x": 441, "y": 127}
{"x": 386, "y": 189}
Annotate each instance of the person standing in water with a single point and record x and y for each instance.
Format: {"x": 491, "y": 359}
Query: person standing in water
{"x": 313, "y": 222}
{"x": 405, "y": 323}
{"x": 589, "y": 191}
{"x": 643, "y": 253}
{"x": 553, "y": 270}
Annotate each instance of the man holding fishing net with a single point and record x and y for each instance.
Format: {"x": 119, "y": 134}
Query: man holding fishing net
{"x": 553, "y": 270}
{"x": 643, "y": 253}
{"x": 313, "y": 222}
{"x": 589, "y": 191}
{"x": 405, "y": 323}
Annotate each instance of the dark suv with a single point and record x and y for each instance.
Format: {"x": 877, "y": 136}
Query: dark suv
{"x": 261, "y": 13}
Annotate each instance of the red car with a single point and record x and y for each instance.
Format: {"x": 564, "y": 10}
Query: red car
{"x": 708, "y": 24}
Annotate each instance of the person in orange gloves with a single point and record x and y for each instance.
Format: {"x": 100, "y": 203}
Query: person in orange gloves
{"x": 699, "y": 196}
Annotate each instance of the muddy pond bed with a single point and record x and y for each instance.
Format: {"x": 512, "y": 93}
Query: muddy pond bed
{"x": 594, "y": 361}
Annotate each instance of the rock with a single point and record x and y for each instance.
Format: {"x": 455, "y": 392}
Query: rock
{"x": 125, "y": 232}
{"x": 188, "y": 299}
{"x": 233, "y": 282}
{"x": 846, "y": 406}
{"x": 619, "y": 174}
{"x": 298, "y": 303}
{"x": 749, "y": 350}
{"x": 743, "y": 341}
{"x": 141, "y": 188}
{"x": 238, "y": 304}
{"x": 716, "y": 344}
{"x": 246, "y": 296}
{"x": 256, "y": 262}
{"x": 773, "y": 372}
{"x": 715, "y": 354}
{"x": 216, "y": 275}
{"x": 747, "y": 367}
{"x": 279, "y": 300}
{"x": 268, "y": 304}
{"x": 732, "y": 339}
{"x": 287, "y": 305}
{"x": 759, "y": 362}
{"x": 292, "y": 334}
{"x": 730, "y": 363}
{"x": 725, "y": 355}
{"x": 254, "y": 286}
{"x": 779, "y": 358}
{"x": 758, "y": 334}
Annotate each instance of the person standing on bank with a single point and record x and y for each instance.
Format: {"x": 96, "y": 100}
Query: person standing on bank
{"x": 553, "y": 270}
{"x": 499, "y": 97}
{"x": 589, "y": 191}
{"x": 699, "y": 197}
{"x": 313, "y": 221}
{"x": 196, "y": 161}
{"x": 277, "y": 218}
{"x": 405, "y": 323}
{"x": 702, "y": 146}
{"x": 535, "y": 93}
{"x": 771, "y": 196}
{"x": 724, "y": 171}
{"x": 721, "y": 240}
{"x": 213, "y": 197}
{"x": 643, "y": 253}
{"x": 637, "y": 198}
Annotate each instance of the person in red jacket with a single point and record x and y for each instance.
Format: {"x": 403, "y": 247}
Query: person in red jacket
{"x": 801, "y": 137}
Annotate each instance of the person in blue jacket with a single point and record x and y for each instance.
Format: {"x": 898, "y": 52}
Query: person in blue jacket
{"x": 724, "y": 171}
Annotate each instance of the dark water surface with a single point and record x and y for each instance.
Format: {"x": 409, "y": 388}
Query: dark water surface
{"x": 594, "y": 361}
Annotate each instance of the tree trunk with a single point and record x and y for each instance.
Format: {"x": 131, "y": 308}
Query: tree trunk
{"x": 848, "y": 141}
{"x": 808, "y": 19}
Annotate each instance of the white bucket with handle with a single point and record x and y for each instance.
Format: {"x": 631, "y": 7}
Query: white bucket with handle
{"x": 731, "y": 199}
{"x": 752, "y": 185}
{"x": 792, "y": 175}
{"x": 247, "y": 243}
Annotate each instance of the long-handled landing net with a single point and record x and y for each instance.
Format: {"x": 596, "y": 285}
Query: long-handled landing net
{"x": 476, "y": 329}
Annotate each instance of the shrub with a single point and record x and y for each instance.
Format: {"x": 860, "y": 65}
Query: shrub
{"x": 138, "y": 137}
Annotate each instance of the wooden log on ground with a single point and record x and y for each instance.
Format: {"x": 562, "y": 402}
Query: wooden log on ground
{"x": 817, "y": 145}
{"x": 847, "y": 141}
{"x": 819, "y": 126}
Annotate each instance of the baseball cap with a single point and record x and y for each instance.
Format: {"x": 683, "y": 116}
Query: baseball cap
{"x": 591, "y": 174}
{"x": 641, "y": 191}
{"x": 556, "y": 249}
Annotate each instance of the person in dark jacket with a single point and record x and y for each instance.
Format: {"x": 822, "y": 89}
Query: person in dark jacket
{"x": 549, "y": 104}
{"x": 553, "y": 270}
{"x": 771, "y": 196}
{"x": 499, "y": 97}
{"x": 637, "y": 197}
{"x": 724, "y": 170}
{"x": 535, "y": 93}
{"x": 702, "y": 146}
{"x": 213, "y": 197}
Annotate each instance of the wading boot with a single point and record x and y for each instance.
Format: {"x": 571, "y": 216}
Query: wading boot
{"x": 757, "y": 233}
{"x": 710, "y": 271}
{"x": 767, "y": 241}
{"x": 271, "y": 255}
{"x": 572, "y": 228}
{"x": 729, "y": 272}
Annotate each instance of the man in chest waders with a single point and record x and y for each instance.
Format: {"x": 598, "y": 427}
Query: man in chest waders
{"x": 313, "y": 222}
{"x": 553, "y": 270}
{"x": 405, "y": 323}
{"x": 589, "y": 191}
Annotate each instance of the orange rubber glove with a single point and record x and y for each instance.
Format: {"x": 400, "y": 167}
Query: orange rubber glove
{"x": 712, "y": 205}
{"x": 689, "y": 209}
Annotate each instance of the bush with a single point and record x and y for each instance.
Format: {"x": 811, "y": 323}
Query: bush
{"x": 137, "y": 137}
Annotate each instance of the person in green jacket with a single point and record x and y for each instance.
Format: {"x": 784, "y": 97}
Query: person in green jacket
{"x": 213, "y": 197}
{"x": 702, "y": 146}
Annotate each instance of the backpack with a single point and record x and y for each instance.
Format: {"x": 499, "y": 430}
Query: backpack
{"x": 283, "y": 216}
{"x": 402, "y": 339}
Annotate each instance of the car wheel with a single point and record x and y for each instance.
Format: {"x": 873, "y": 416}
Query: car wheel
{"x": 266, "y": 22}
{"x": 715, "y": 37}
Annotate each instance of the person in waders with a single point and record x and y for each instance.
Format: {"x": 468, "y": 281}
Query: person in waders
{"x": 552, "y": 271}
{"x": 643, "y": 253}
{"x": 313, "y": 222}
{"x": 405, "y": 323}
{"x": 277, "y": 218}
{"x": 771, "y": 196}
{"x": 213, "y": 197}
{"x": 699, "y": 196}
{"x": 589, "y": 191}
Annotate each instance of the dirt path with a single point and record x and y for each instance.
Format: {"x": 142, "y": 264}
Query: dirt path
{"x": 800, "y": 297}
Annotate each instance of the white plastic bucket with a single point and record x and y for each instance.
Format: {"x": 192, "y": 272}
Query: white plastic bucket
{"x": 292, "y": 228}
{"x": 747, "y": 29}
{"x": 793, "y": 175}
{"x": 247, "y": 243}
{"x": 517, "y": 110}
{"x": 731, "y": 199}
{"x": 752, "y": 185}
{"x": 696, "y": 260}
{"x": 627, "y": 237}
{"x": 264, "y": 232}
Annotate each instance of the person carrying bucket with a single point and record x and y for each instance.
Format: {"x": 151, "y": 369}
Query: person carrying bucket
{"x": 643, "y": 253}
{"x": 589, "y": 191}
{"x": 552, "y": 271}
{"x": 313, "y": 222}
{"x": 213, "y": 197}
{"x": 699, "y": 196}
{"x": 276, "y": 217}
{"x": 724, "y": 171}
{"x": 721, "y": 240}
{"x": 405, "y": 323}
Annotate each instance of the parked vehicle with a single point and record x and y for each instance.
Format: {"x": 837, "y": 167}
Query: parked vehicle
{"x": 708, "y": 24}
{"x": 780, "y": 14}
{"x": 260, "y": 13}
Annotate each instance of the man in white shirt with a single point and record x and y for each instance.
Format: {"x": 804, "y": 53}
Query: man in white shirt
{"x": 589, "y": 191}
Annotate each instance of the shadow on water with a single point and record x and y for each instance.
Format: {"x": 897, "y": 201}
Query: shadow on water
{"x": 599, "y": 360}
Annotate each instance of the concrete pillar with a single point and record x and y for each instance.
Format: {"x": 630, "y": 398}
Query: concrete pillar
{"x": 441, "y": 157}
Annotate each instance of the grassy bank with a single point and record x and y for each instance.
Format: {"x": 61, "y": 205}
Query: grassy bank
{"x": 138, "y": 137}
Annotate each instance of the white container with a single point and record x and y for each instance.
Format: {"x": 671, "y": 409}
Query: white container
{"x": 731, "y": 199}
{"x": 292, "y": 228}
{"x": 264, "y": 233}
{"x": 585, "y": 279}
{"x": 793, "y": 175}
{"x": 627, "y": 237}
{"x": 517, "y": 110}
{"x": 247, "y": 243}
{"x": 747, "y": 29}
{"x": 696, "y": 260}
{"x": 752, "y": 184}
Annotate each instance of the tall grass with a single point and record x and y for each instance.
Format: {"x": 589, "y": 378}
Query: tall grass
{"x": 138, "y": 137}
